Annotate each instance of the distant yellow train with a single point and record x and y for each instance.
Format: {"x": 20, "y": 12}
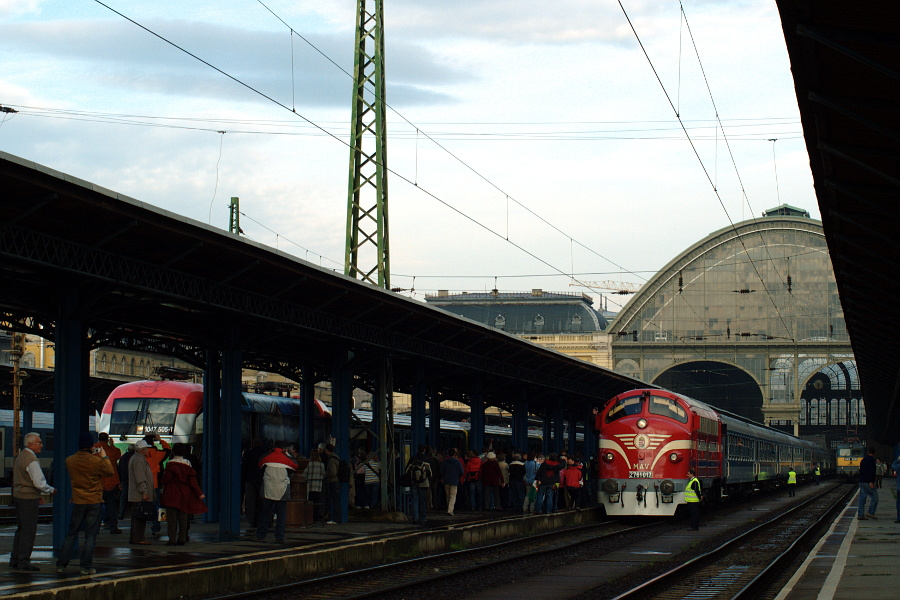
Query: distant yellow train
{"x": 849, "y": 455}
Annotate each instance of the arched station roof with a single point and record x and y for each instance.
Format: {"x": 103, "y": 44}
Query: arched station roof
{"x": 765, "y": 278}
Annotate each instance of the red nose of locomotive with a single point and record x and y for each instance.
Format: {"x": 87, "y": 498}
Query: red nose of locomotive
{"x": 641, "y": 457}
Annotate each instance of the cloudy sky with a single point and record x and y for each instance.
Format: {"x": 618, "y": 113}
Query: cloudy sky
{"x": 533, "y": 144}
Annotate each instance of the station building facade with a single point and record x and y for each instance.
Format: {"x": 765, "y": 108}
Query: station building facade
{"x": 748, "y": 319}
{"x": 566, "y": 322}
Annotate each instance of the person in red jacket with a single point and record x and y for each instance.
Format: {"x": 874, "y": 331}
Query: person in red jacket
{"x": 548, "y": 478}
{"x": 181, "y": 495}
{"x": 155, "y": 458}
{"x": 276, "y": 490}
{"x": 573, "y": 480}
{"x": 473, "y": 479}
{"x": 491, "y": 480}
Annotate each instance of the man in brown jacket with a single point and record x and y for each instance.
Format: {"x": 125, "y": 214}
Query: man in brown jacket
{"x": 87, "y": 468}
{"x": 28, "y": 485}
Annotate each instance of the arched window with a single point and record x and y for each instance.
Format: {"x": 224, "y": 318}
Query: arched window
{"x": 122, "y": 371}
{"x": 102, "y": 367}
{"x": 132, "y": 366}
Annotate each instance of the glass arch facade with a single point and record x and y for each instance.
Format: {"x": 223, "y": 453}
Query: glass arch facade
{"x": 770, "y": 278}
{"x": 760, "y": 296}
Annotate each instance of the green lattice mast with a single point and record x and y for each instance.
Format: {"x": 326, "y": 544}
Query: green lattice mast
{"x": 367, "y": 255}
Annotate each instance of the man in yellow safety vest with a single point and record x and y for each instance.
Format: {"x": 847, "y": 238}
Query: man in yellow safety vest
{"x": 693, "y": 494}
{"x": 792, "y": 482}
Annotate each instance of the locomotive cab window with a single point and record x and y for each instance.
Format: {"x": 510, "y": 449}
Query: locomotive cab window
{"x": 625, "y": 407}
{"x": 140, "y": 416}
{"x": 667, "y": 407}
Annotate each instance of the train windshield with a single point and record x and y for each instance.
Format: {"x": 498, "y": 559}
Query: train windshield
{"x": 625, "y": 407}
{"x": 667, "y": 407}
{"x": 140, "y": 416}
{"x": 850, "y": 452}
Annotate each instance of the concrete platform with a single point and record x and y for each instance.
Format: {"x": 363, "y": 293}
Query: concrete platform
{"x": 856, "y": 559}
{"x": 208, "y": 566}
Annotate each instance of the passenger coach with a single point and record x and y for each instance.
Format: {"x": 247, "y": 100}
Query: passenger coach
{"x": 649, "y": 439}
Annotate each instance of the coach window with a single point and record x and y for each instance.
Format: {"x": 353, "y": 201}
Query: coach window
{"x": 666, "y": 407}
{"x": 625, "y": 407}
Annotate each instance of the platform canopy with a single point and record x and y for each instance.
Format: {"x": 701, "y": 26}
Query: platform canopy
{"x": 845, "y": 59}
{"x": 152, "y": 280}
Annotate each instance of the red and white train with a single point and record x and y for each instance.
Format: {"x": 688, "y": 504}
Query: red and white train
{"x": 649, "y": 438}
{"x": 174, "y": 410}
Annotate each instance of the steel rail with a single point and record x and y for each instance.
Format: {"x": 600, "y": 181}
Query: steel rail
{"x": 435, "y": 577}
{"x": 644, "y": 590}
{"x": 780, "y": 562}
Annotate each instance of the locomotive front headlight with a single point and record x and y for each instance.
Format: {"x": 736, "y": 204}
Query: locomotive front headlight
{"x": 674, "y": 457}
{"x": 608, "y": 457}
{"x": 641, "y": 423}
{"x": 610, "y": 486}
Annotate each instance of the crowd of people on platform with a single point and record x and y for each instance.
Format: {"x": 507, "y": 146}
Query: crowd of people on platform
{"x": 105, "y": 484}
{"x": 434, "y": 480}
{"x": 494, "y": 481}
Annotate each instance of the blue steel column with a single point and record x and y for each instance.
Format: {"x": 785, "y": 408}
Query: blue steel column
{"x": 476, "y": 429}
{"x": 212, "y": 440}
{"x": 342, "y": 394}
{"x": 69, "y": 375}
{"x": 230, "y": 469}
{"x": 418, "y": 416}
{"x": 547, "y": 433}
{"x": 558, "y": 429}
{"x": 520, "y": 423}
{"x": 573, "y": 434}
{"x": 306, "y": 438}
{"x": 434, "y": 421}
{"x": 589, "y": 448}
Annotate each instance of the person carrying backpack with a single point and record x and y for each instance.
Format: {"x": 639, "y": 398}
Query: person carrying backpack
{"x": 419, "y": 472}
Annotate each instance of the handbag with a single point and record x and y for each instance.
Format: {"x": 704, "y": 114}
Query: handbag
{"x": 144, "y": 511}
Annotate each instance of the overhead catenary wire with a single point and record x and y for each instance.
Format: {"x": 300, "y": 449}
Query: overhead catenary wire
{"x": 346, "y": 143}
{"x": 414, "y": 182}
{"x": 687, "y": 134}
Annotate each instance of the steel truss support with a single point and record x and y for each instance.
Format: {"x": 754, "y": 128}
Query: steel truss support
{"x": 367, "y": 255}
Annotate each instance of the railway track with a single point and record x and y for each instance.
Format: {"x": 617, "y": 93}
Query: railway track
{"x": 467, "y": 571}
{"x": 744, "y": 567}
{"x": 399, "y": 577}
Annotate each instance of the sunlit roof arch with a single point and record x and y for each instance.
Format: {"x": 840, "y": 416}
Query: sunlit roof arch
{"x": 714, "y": 282}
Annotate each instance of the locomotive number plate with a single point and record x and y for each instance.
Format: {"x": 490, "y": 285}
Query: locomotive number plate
{"x": 163, "y": 429}
{"x": 640, "y": 474}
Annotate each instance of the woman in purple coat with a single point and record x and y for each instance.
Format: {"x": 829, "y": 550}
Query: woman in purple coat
{"x": 181, "y": 495}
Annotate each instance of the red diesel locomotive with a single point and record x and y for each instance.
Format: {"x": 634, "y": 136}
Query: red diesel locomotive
{"x": 649, "y": 438}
